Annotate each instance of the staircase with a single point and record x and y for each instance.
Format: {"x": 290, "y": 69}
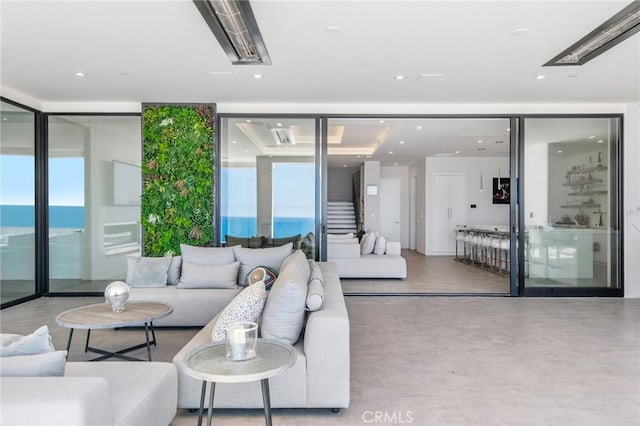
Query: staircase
{"x": 341, "y": 217}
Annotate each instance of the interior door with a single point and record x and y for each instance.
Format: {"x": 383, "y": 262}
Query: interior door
{"x": 390, "y": 209}
{"x": 441, "y": 213}
{"x": 457, "y": 201}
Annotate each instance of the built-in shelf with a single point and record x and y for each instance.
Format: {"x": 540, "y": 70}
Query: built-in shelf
{"x": 586, "y": 170}
{"x": 583, "y": 183}
{"x": 589, "y": 193}
{"x": 580, "y": 206}
{"x": 121, "y": 238}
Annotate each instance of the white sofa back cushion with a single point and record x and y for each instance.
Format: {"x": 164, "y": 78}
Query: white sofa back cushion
{"x": 35, "y": 343}
{"x": 381, "y": 246}
{"x": 212, "y": 256}
{"x": 283, "y": 315}
{"x": 368, "y": 243}
{"x": 44, "y": 364}
{"x": 173, "y": 272}
{"x": 151, "y": 272}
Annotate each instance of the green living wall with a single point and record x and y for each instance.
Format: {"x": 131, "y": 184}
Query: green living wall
{"x": 178, "y": 177}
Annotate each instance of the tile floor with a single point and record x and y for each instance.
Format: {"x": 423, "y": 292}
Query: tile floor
{"x": 445, "y": 360}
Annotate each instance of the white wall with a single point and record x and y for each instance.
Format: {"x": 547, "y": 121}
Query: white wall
{"x": 631, "y": 211}
{"x": 340, "y": 183}
{"x": 402, "y": 174}
{"x": 371, "y": 176}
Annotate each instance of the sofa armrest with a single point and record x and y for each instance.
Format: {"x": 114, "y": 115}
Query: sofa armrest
{"x": 327, "y": 347}
{"x": 55, "y": 401}
{"x": 393, "y": 248}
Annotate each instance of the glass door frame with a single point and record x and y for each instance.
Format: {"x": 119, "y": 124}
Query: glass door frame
{"x": 618, "y": 264}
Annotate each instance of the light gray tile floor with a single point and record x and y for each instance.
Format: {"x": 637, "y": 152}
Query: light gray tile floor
{"x": 444, "y": 361}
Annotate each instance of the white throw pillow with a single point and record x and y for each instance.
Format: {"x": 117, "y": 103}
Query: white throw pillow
{"x": 381, "y": 245}
{"x": 283, "y": 315}
{"x": 45, "y": 364}
{"x": 212, "y": 256}
{"x": 333, "y": 237}
{"x": 250, "y": 258}
{"x": 205, "y": 276}
{"x": 315, "y": 289}
{"x": 368, "y": 243}
{"x": 37, "y": 342}
{"x": 151, "y": 272}
{"x": 246, "y": 306}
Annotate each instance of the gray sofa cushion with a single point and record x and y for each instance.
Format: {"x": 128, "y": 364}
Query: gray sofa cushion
{"x": 250, "y": 258}
{"x": 315, "y": 290}
{"x": 207, "y": 276}
{"x": 213, "y": 256}
{"x": 283, "y": 315}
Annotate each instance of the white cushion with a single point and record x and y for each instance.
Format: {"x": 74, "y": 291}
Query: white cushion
{"x": 37, "y": 342}
{"x": 43, "y": 364}
{"x": 151, "y": 272}
{"x": 246, "y": 306}
{"x": 381, "y": 246}
{"x": 368, "y": 243}
{"x": 331, "y": 237}
{"x": 315, "y": 289}
{"x": 173, "y": 274}
{"x": 213, "y": 256}
{"x": 206, "y": 276}
{"x": 250, "y": 258}
{"x": 283, "y": 314}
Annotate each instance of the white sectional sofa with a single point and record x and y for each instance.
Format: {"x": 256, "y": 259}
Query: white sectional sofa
{"x": 345, "y": 254}
{"x": 93, "y": 393}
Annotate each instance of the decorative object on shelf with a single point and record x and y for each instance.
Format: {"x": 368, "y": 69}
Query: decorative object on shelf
{"x": 178, "y": 153}
{"x": 240, "y": 341}
{"x": 117, "y": 294}
{"x": 501, "y": 190}
{"x": 582, "y": 219}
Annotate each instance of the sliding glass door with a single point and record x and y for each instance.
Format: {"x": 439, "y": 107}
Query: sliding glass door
{"x": 571, "y": 206}
{"x": 268, "y": 182}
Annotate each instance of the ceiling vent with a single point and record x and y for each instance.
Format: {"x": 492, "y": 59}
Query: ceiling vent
{"x": 283, "y": 136}
{"x": 616, "y": 29}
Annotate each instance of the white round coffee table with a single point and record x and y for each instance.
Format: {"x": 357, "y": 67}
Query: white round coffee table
{"x": 209, "y": 363}
{"x": 101, "y": 316}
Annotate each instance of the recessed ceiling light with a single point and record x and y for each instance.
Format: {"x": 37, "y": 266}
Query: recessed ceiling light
{"x": 234, "y": 141}
{"x": 390, "y": 152}
{"x": 480, "y": 141}
{"x": 398, "y": 77}
{"x": 401, "y": 142}
{"x": 257, "y": 76}
{"x": 380, "y": 121}
{"x": 395, "y": 164}
{"x": 519, "y": 32}
{"x": 559, "y": 151}
{"x": 457, "y": 152}
{"x": 508, "y": 129}
{"x": 344, "y": 165}
{"x": 279, "y": 124}
{"x": 592, "y": 137}
{"x": 333, "y": 29}
{"x": 541, "y": 77}
{"x": 600, "y": 141}
{"x": 419, "y": 127}
{"x": 248, "y": 121}
{"x": 80, "y": 74}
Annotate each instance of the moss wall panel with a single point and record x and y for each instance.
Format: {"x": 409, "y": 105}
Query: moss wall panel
{"x": 178, "y": 158}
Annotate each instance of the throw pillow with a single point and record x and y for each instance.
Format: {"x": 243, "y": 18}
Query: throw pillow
{"x": 315, "y": 289}
{"x": 249, "y": 242}
{"x": 368, "y": 243}
{"x": 45, "y": 364}
{"x": 250, "y": 258}
{"x": 262, "y": 273}
{"x": 283, "y": 315}
{"x": 246, "y": 306}
{"x": 37, "y": 342}
{"x": 381, "y": 245}
{"x": 151, "y": 272}
{"x": 206, "y": 276}
{"x": 212, "y": 256}
{"x": 173, "y": 274}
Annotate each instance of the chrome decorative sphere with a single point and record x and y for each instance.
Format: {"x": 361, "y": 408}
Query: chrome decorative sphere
{"x": 117, "y": 293}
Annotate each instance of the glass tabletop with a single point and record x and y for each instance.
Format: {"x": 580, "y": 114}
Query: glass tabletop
{"x": 209, "y": 362}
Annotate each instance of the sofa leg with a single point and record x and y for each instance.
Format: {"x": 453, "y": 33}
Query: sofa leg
{"x": 335, "y": 410}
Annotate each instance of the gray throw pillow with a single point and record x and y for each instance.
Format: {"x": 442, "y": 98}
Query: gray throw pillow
{"x": 173, "y": 274}
{"x": 213, "y": 256}
{"x": 250, "y": 258}
{"x": 283, "y": 315}
{"x": 315, "y": 289}
{"x": 206, "y": 276}
{"x": 151, "y": 272}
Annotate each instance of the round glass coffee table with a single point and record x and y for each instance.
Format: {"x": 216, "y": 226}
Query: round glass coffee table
{"x": 209, "y": 363}
{"x": 101, "y": 316}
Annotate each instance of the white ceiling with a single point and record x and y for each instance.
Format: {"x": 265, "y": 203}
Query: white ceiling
{"x": 162, "y": 51}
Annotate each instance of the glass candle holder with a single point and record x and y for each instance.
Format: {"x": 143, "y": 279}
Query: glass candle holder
{"x": 240, "y": 341}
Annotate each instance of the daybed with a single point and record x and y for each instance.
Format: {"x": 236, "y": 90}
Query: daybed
{"x": 93, "y": 393}
{"x": 346, "y": 252}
